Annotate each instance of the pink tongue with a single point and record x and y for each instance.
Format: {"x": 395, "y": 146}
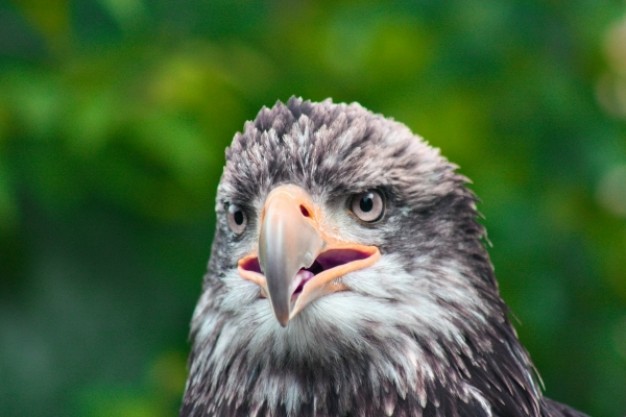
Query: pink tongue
{"x": 302, "y": 277}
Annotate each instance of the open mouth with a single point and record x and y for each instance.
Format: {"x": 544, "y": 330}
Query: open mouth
{"x": 333, "y": 261}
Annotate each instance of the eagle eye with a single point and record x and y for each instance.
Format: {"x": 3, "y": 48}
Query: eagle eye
{"x": 368, "y": 206}
{"x": 237, "y": 220}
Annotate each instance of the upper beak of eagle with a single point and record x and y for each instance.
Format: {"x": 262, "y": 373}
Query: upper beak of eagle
{"x": 298, "y": 261}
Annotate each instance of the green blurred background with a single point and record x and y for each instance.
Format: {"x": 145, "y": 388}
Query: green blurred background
{"x": 114, "y": 116}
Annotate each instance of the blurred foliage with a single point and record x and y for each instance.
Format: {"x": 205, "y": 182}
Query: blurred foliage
{"x": 114, "y": 115}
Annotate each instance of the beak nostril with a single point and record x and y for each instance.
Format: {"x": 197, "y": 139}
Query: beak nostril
{"x": 304, "y": 211}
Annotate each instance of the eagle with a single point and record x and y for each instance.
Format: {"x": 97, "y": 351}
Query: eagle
{"x": 349, "y": 277}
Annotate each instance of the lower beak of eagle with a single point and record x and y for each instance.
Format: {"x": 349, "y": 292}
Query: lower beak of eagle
{"x": 297, "y": 260}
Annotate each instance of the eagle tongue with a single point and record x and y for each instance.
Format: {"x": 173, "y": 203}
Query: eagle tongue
{"x": 302, "y": 276}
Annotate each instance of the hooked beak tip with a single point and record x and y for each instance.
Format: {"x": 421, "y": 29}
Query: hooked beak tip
{"x": 283, "y": 321}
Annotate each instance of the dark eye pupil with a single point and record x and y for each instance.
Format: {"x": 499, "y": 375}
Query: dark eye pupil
{"x": 366, "y": 204}
{"x": 238, "y": 217}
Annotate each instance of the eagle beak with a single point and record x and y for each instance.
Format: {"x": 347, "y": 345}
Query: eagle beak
{"x": 298, "y": 261}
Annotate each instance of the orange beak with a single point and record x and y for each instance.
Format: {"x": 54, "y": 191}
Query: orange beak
{"x": 297, "y": 260}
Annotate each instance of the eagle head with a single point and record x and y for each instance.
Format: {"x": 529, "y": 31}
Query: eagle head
{"x": 348, "y": 277}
